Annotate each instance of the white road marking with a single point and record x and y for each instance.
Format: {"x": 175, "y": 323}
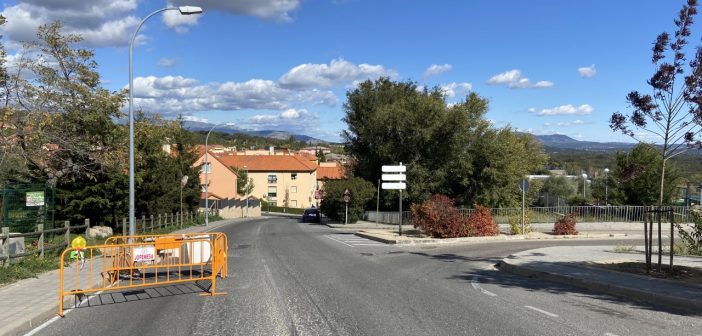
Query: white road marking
{"x": 610, "y": 334}
{"x": 476, "y": 285}
{"x": 541, "y": 311}
{"x": 354, "y": 241}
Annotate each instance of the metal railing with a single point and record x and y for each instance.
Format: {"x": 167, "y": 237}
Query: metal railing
{"x": 583, "y": 214}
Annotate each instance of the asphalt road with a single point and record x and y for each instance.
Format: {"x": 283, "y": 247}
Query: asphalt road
{"x": 290, "y": 278}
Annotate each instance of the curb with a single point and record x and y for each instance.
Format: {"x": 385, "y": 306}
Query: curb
{"x": 603, "y": 287}
{"x": 46, "y": 313}
{"x": 414, "y": 241}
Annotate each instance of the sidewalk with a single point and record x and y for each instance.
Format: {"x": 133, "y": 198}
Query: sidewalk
{"x": 566, "y": 264}
{"x": 30, "y": 302}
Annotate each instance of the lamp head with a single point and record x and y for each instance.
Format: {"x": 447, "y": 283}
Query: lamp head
{"x": 189, "y": 10}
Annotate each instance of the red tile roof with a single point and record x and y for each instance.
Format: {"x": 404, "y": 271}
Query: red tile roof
{"x": 266, "y": 163}
{"x": 331, "y": 173}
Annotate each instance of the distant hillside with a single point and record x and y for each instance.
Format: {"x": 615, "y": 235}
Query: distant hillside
{"x": 555, "y": 142}
{"x": 196, "y": 126}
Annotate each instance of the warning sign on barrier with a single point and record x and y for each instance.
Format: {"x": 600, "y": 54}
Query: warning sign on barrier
{"x": 144, "y": 253}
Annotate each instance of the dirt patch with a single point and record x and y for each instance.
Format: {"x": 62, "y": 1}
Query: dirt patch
{"x": 685, "y": 274}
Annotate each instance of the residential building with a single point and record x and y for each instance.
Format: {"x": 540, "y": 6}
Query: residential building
{"x": 283, "y": 180}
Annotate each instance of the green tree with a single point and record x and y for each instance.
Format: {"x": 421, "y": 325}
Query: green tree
{"x": 333, "y": 205}
{"x": 558, "y": 189}
{"x": 636, "y": 177}
{"x": 244, "y": 184}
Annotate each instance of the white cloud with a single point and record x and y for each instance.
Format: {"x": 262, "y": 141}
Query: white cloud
{"x": 514, "y": 80}
{"x": 576, "y": 122}
{"x": 437, "y": 69}
{"x": 265, "y": 9}
{"x": 194, "y": 118}
{"x": 531, "y": 109}
{"x": 568, "y": 109}
{"x": 100, "y": 22}
{"x": 166, "y": 62}
{"x": 337, "y": 73}
{"x": 177, "y": 94}
{"x": 587, "y": 72}
{"x": 454, "y": 89}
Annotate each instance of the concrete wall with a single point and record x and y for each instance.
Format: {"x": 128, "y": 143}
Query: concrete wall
{"x": 237, "y": 208}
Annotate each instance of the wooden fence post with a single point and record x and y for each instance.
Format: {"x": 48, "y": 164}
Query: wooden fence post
{"x": 67, "y": 235}
{"x": 6, "y": 245}
{"x": 152, "y": 223}
{"x": 143, "y": 224}
{"x": 159, "y": 221}
{"x": 40, "y": 229}
{"x": 87, "y": 225}
{"x": 124, "y": 226}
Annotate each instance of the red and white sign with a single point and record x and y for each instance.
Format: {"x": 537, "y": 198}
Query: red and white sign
{"x": 146, "y": 253}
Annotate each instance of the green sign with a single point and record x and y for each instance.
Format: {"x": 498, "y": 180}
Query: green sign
{"x": 35, "y": 198}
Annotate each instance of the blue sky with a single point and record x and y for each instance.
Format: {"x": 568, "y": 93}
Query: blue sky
{"x": 546, "y": 66}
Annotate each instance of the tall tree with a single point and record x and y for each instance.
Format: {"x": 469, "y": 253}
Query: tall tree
{"x": 672, "y": 112}
{"x": 636, "y": 177}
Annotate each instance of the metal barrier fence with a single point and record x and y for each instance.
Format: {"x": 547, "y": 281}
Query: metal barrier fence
{"x": 128, "y": 262}
{"x": 583, "y": 214}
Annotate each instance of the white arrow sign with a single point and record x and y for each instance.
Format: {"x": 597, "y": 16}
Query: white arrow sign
{"x": 394, "y": 169}
{"x": 395, "y": 186}
{"x": 394, "y": 177}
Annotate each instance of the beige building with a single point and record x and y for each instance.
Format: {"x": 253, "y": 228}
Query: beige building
{"x": 283, "y": 180}
{"x": 221, "y": 191}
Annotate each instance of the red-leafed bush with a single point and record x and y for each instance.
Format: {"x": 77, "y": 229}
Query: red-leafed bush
{"x": 565, "y": 225}
{"x": 438, "y": 218}
{"x": 480, "y": 223}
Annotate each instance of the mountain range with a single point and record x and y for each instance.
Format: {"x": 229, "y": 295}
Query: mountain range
{"x": 551, "y": 142}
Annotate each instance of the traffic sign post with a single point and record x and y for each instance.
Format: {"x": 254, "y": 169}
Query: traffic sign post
{"x": 395, "y": 181}
{"x": 347, "y": 198}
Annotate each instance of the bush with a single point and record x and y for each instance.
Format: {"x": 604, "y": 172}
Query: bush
{"x": 437, "y": 217}
{"x": 692, "y": 239}
{"x": 565, "y": 225}
{"x": 480, "y": 223}
{"x": 515, "y": 223}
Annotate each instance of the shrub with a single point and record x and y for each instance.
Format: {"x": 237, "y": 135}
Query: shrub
{"x": 565, "y": 225}
{"x": 437, "y": 217}
{"x": 333, "y": 205}
{"x": 692, "y": 239}
{"x": 515, "y": 223}
{"x": 480, "y": 223}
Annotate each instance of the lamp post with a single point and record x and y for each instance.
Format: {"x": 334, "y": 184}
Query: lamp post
{"x": 246, "y": 169}
{"x": 183, "y": 182}
{"x": 207, "y": 173}
{"x": 606, "y": 171}
{"x": 184, "y": 10}
{"x": 584, "y": 182}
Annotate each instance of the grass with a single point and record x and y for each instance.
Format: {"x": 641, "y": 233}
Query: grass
{"x": 624, "y": 248}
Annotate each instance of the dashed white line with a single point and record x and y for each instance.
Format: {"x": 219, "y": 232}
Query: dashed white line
{"x": 610, "y": 334}
{"x": 476, "y": 285}
{"x": 541, "y": 311}
{"x": 337, "y": 240}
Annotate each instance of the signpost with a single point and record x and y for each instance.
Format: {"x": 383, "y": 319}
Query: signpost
{"x": 347, "y": 198}
{"x": 396, "y": 180}
{"x": 524, "y": 185}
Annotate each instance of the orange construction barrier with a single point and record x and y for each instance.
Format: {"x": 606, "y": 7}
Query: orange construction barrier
{"x": 127, "y": 262}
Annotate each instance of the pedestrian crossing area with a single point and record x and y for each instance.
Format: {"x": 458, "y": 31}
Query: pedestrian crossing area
{"x": 353, "y": 240}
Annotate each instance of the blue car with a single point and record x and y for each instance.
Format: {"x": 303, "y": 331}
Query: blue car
{"x": 312, "y": 215}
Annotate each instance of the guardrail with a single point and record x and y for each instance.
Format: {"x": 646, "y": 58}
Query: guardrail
{"x": 583, "y": 214}
{"x": 128, "y": 262}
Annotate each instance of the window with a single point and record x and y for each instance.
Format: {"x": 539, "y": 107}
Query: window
{"x": 206, "y": 168}
{"x": 293, "y": 189}
{"x": 272, "y": 194}
{"x": 293, "y": 176}
{"x": 293, "y": 204}
{"x": 272, "y": 178}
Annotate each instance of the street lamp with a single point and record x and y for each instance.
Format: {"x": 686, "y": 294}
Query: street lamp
{"x": 584, "y": 182}
{"x": 246, "y": 186}
{"x": 606, "y": 171}
{"x": 183, "y": 182}
{"x": 207, "y": 172}
{"x": 184, "y": 10}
